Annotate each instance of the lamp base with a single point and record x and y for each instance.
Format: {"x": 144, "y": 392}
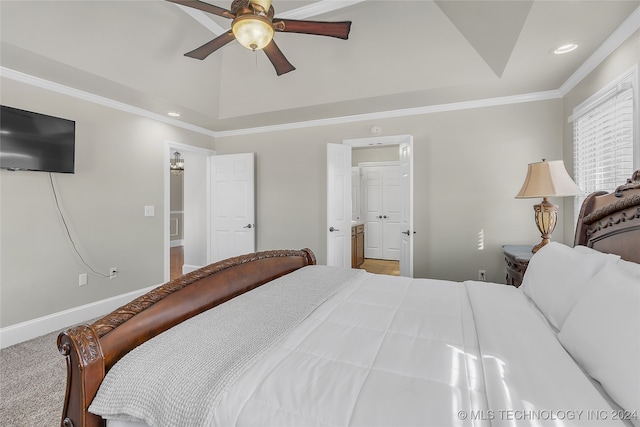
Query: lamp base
{"x": 539, "y": 246}
{"x": 546, "y": 216}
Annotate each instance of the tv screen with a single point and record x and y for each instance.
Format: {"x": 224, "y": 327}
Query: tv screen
{"x": 36, "y": 142}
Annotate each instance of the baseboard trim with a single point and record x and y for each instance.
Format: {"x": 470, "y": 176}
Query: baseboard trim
{"x": 30, "y": 329}
{"x": 175, "y": 243}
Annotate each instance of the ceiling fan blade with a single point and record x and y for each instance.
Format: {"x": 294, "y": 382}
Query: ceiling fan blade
{"x": 332, "y": 29}
{"x": 275, "y": 55}
{"x": 210, "y": 47}
{"x": 205, "y": 7}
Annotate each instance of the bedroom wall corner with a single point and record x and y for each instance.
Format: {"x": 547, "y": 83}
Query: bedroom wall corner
{"x": 119, "y": 170}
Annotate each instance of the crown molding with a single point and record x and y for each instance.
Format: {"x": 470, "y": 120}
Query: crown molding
{"x": 622, "y": 33}
{"x": 86, "y": 96}
{"x": 455, "y": 106}
{"x": 96, "y": 99}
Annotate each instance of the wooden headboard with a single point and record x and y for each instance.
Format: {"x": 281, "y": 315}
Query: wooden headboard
{"x": 610, "y": 222}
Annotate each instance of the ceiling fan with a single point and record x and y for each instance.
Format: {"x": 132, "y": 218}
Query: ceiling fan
{"x": 254, "y": 26}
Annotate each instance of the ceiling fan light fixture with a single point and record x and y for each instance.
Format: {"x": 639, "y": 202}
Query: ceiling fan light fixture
{"x": 252, "y": 31}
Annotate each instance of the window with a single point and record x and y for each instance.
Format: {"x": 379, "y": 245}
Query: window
{"x": 605, "y": 138}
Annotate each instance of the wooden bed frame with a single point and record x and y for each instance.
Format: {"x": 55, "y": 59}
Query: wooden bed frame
{"x": 607, "y": 223}
{"x": 611, "y": 222}
{"x": 91, "y": 350}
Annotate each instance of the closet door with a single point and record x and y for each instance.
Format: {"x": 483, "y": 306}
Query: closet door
{"x": 381, "y": 201}
{"x": 391, "y": 213}
{"x": 372, "y": 183}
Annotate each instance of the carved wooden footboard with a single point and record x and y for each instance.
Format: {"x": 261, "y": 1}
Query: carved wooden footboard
{"x": 91, "y": 350}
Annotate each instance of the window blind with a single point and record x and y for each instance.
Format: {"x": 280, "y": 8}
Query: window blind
{"x": 603, "y": 141}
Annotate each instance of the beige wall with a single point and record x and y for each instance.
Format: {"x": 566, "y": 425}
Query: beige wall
{"x": 468, "y": 167}
{"x": 616, "y": 64}
{"x": 176, "y": 199}
{"x": 119, "y": 170}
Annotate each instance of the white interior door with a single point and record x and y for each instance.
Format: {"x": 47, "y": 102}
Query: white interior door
{"x": 391, "y": 213}
{"x": 232, "y": 206}
{"x": 382, "y": 201}
{"x": 339, "y": 205}
{"x": 373, "y": 233}
{"x": 406, "y": 211}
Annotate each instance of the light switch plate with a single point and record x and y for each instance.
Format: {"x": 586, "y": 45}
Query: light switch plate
{"x": 149, "y": 211}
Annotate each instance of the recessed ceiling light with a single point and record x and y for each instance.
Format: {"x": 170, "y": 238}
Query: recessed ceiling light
{"x": 565, "y": 48}
{"x": 174, "y": 114}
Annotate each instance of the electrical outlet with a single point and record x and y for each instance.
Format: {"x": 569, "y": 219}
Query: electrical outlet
{"x": 482, "y": 275}
{"x": 82, "y": 279}
{"x": 113, "y": 272}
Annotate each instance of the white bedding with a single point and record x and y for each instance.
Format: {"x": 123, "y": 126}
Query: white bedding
{"x": 390, "y": 352}
{"x": 395, "y": 351}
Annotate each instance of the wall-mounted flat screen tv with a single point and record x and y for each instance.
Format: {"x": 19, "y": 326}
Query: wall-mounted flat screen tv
{"x": 36, "y": 142}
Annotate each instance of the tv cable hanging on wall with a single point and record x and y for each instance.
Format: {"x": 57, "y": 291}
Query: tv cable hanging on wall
{"x": 66, "y": 227}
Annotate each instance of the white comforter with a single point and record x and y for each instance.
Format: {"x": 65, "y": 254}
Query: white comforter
{"x": 394, "y": 351}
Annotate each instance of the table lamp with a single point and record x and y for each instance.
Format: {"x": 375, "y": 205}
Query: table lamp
{"x": 547, "y": 179}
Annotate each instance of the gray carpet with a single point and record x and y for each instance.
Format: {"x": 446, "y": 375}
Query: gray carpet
{"x": 33, "y": 378}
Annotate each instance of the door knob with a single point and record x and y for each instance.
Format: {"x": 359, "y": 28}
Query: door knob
{"x": 248, "y": 226}
{"x": 406, "y": 232}
{"x": 379, "y": 217}
{"x": 385, "y": 217}
{"x": 333, "y": 229}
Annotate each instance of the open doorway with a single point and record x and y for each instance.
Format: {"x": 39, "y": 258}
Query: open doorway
{"x": 193, "y": 213}
{"x": 377, "y": 196}
{"x": 176, "y": 214}
{"x": 399, "y": 228}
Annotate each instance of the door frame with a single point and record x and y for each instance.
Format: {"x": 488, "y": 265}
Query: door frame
{"x": 169, "y": 148}
{"x": 389, "y": 140}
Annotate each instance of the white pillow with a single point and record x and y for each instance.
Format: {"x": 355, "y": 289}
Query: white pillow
{"x": 555, "y": 275}
{"x": 633, "y": 268}
{"x": 586, "y": 250}
{"x": 602, "y": 333}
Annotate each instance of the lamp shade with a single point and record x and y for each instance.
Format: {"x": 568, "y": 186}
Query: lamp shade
{"x": 548, "y": 179}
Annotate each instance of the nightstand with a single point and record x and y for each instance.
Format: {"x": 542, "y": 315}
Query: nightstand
{"x": 517, "y": 258}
